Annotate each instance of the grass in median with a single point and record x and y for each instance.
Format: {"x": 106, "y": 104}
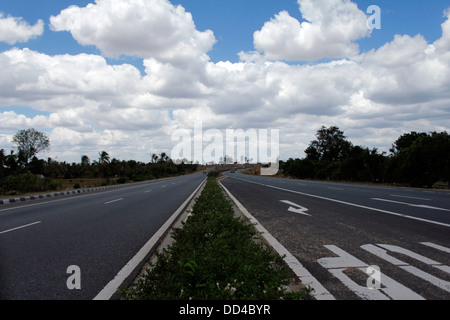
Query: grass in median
{"x": 215, "y": 256}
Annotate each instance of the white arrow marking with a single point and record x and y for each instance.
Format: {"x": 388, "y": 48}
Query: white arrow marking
{"x": 299, "y": 209}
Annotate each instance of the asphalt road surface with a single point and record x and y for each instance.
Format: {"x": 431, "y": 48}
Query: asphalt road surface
{"x": 72, "y": 247}
{"x": 357, "y": 242}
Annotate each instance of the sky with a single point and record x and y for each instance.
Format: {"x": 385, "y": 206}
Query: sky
{"x": 123, "y": 76}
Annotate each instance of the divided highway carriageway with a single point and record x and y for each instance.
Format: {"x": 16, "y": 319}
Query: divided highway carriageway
{"x": 351, "y": 241}
{"x": 346, "y": 241}
{"x": 85, "y": 246}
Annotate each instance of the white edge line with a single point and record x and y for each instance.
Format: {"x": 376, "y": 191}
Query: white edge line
{"x": 352, "y": 204}
{"x": 112, "y": 287}
{"x": 27, "y": 225}
{"x": 320, "y": 293}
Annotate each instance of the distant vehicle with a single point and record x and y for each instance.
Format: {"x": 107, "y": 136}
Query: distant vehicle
{"x": 204, "y": 172}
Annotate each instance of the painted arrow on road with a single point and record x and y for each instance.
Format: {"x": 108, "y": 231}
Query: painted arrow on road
{"x": 296, "y": 208}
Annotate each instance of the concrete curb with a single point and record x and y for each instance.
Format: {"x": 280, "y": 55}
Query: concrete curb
{"x": 132, "y": 271}
{"x": 167, "y": 239}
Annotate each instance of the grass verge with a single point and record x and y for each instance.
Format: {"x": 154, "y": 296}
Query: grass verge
{"x": 215, "y": 256}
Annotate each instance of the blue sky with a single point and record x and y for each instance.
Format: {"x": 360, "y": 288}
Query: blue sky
{"x": 234, "y": 22}
{"x": 139, "y": 87}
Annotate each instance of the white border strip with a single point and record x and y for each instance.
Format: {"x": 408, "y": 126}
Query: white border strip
{"x": 320, "y": 293}
{"x": 112, "y": 287}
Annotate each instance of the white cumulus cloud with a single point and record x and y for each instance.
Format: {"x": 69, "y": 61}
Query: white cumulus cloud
{"x": 144, "y": 28}
{"x": 90, "y": 105}
{"x": 15, "y": 29}
{"x": 329, "y": 30}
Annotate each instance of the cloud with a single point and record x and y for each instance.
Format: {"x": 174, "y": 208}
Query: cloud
{"x": 443, "y": 44}
{"x": 405, "y": 71}
{"x": 328, "y": 31}
{"x": 29, "y": 76}
{"x": 91, "y": 105}
{"x": 14, "y": 30}
{"x": 143, "y": 28}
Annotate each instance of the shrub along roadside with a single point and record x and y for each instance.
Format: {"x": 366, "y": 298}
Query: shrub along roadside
{"x": 27, "y": 182}
{"x": 215, "y": 256}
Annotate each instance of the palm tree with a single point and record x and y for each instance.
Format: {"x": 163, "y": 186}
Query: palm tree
{"x": 104, "y": 157}
{"x": 84, "y": 163}
{"x": 154, "y": 158}
{"x": 103, "y": 161}
{"x": 164, "y": 157}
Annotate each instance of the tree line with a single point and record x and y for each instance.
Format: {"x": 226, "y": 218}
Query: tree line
{"x": 416, "y": 159}
{"x": 22, "y": 171}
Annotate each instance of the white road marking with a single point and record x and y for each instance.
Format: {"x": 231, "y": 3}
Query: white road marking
{"x": 112, "y": 287}
{"x": 75, "y": 198}
{"x": 409, "y": 253}
{"x": 412, "y": 205}
{"x": 390, "y": 289}
{"x": 343, "y": 259}
{"x": 444, "y": 285}
{"x": 320, "y": 293}
{"x": 24, "y": 226}
{"x": 379, "y": 252}
{"x": 333, "y": 188}
{"x": 416, "y": 198}
{"x": 148, "y": 191}
{"x": 298, "y": 208}
{"x": 353, "y": 204}
{"x": 441, "y": 248}
{"x": 436, "y": 246}
{"x": 109, "y": 202}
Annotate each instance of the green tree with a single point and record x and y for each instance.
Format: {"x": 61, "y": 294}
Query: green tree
{"x": 104, "y": 157}
{"x": 331, "y": 145}
{"x": 405, "y": 141}
{"x": 29, "y": 143}
{"x": 104, "y": 161}
{"x": 2, "y": 163}
{"x": 424, "y": 159}
{"x": 85, "y": 161}
{"x": 154, "y": 157}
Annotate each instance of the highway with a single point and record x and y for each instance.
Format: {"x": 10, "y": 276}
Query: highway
{"x": 99, "y": 233}
{"x": 333, "y": 233}
{"x": 336, "y": 231}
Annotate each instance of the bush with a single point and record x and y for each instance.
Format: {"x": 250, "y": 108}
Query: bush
{"x": 122, "y": 180}
{"x": 213, "y": 174}
{"x": 26, "y": 183}
{"x": 50, "y": 185}
{"x": 23, "y": 183}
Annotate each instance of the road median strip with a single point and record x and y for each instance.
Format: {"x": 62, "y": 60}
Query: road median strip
{"x": 215, "y": 255}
